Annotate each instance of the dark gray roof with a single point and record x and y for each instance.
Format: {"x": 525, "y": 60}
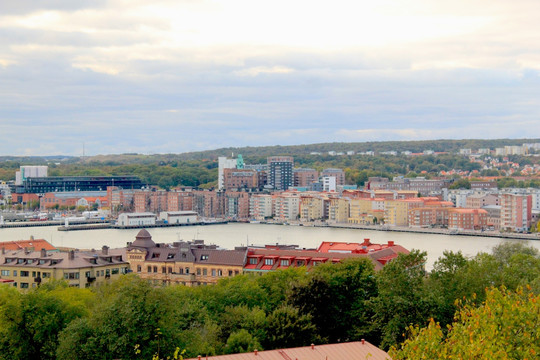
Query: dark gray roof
{"x": 143, "y": 240}
{"x": 220, "y": 257}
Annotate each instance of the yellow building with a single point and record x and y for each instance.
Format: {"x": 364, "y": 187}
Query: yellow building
{"x": 338, "y": 210}
{"x": 364, "y": 211}
{"x": 311, "y": 208}
{"x": 184, "y": 263}
{"x": 28, "y": 269}
{"x": 397, "y": 213}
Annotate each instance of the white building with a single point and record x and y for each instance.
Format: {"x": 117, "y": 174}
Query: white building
{"x": 329, "y": 183}
{"x": 224, "y": 163}
{"x": 136, "y": 219}
{"x": 286, "y": 206}
{"x": 260, "y": 206}
{"x": 30, "y": 171}
{"x": 178, "y": 217}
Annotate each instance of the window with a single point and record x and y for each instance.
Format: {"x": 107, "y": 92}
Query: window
{"x": 253, "y": 261}
{"x": 30, "y": 261}
{"x": 198, "y": 271}
{"x": 220, "y": 272}
{"x": 170, "y": 270}
{"x": 115, "y": 271}
{"x": 187, "y": 270}
{"x": 149, "y": 269}
{"x": 87, "y": 274}
{"x": 155, "y": 269}
{"x": 213, "y": 272}
{"x": 15, "y": 284}
{"x": 205, "y": 272}
{"x": 284, "y": 262}
{"x": 139, "y": 268}
{"x": 204, "y": 257}
{"x": 170, "y": 256}
{"x": 14, "y": 272}
{"x": 268, "y": 261}
{"x": 163, "y": 270}
{"x": 71, "y": 276}
{"x": 20, "y": 261}
{"x": 24, "y": 285}
{"x": 5, "y": 272}
{"x": 46, "y": 275}
{"x": 230, "y": 273}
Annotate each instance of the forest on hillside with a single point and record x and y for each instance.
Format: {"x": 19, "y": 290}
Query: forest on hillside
{"x": 200, "y": 169}
{"x": 132, "y": 319}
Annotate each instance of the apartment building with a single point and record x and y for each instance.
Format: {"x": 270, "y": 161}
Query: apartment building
{"x": 187, "y": 263}
{"x": 280, "y": 172}
{"x": 260, "y": 206}
{"x": 467, "y": 219}
{"x": 26, "y": 269}
{"x": 516, "y": 212}
{"x": 304, "y": 177}
{"x": 286, "y": 206}
{"x": 338, "y": 210}
{"x": 311, "y": 208}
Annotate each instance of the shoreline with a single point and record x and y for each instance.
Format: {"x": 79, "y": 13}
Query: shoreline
{"x": 97, "y": 225}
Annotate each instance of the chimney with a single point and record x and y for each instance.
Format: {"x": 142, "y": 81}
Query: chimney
{"x": 71, "y": 255}
{"x": 105, "y": 250}
{"x": 363, "y": 341}
{"x": 366, "y": 242}
{"x": 312, "y": 346}
{"x": 31, "y": 237}
{"x": 390, "y": 242}
{"x": 3, "y": 250}
{"x": 199, "y": 357}
{"x": 255, "y": 352}
{"x": 43, "y": 253}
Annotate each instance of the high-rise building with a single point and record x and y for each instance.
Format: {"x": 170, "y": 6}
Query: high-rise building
{"x": 224, "y": 163}
{"x": 280, "y": 172}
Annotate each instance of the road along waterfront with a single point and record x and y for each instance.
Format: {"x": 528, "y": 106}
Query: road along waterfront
{"x": 237, "y": 234}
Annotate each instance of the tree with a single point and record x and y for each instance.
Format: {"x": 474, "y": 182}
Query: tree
{"x": 242, "y": 341}
{"x": 335, "y": 296}
{"x": 30, "y": 323}
{"x": 403, "y": 298}
{"x": 505, "y": 326}
{"x": 287, "y": 328}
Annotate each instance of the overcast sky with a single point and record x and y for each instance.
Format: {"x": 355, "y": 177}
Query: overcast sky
{"x": 169, "y": 76}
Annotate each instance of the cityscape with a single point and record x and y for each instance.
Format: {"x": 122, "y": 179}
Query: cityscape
{"x": 248, "y": 180}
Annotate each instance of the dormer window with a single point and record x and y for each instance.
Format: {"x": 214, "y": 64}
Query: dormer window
{"x": 204, "y": 257}
{"x": 30, "y": 261}
{"x": 170, "y": 256}
{"x": 155, "y": 255}
{"x": 20, "y": 261}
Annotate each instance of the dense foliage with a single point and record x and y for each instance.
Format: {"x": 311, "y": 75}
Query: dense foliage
{"x": 129, "y": 318}
{"x": 199, "y": 169}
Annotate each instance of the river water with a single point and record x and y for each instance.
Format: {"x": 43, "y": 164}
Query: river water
{"x": 237, "y": 234}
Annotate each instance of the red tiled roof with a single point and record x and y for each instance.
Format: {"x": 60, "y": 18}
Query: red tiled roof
{"x": 37, "y": 244}
{"x": 358, "y": 350}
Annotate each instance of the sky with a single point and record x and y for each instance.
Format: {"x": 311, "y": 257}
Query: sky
{"x": 172, "y": 76}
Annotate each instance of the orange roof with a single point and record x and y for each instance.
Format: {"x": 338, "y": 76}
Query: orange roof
{"x": 353, "y": 350}
{"x": 37, "y": 244}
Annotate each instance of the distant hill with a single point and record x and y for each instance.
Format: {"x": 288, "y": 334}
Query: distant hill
{"x": 259, "y": 153}
{"x": 253, "y": 152}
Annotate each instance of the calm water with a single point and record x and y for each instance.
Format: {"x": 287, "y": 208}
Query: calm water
{"x": 231, "y": 235}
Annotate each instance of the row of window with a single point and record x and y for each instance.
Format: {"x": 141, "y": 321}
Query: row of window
{"x": 24, "y": 273}
{"x": 31, "y": 261}
{"x": 199, "y": 271}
